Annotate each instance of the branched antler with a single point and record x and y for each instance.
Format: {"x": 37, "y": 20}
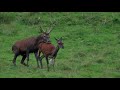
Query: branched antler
{"x": 41, "y": 28}
{"x": 53, "y": 24}
{"x": 49, "y": 29}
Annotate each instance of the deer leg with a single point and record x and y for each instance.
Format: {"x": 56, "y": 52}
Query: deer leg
{"x": 36, "y": 56}
{"x": 40, "y": 58}
{"x": 27, "y": 54}
{"x": 47, "y": 63}
{"x": 14, "y": 60}
{"x": 23, "y": 59}
{"x": 53, "y": 64}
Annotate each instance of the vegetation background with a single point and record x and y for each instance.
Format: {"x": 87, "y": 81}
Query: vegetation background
{"x": 91, "y": 41}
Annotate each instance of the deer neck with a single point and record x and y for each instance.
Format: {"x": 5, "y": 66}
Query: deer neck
{"x": 38, "y": 41}
{"x": 56, "y": 51}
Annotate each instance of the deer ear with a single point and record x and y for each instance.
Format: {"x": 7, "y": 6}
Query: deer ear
{"x": 61, "y": 38}
{"x": 56, "y": 39}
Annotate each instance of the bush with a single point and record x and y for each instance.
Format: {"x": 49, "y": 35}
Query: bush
{"x": 30, "y": 21}
{"x": 7, "y": 30}
{"x": 6, "y": 18}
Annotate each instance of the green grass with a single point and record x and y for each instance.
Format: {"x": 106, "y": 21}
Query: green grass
{"x": 91, "y": 41}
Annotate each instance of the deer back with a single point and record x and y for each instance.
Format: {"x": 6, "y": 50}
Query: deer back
{"x": 46, "y": 48}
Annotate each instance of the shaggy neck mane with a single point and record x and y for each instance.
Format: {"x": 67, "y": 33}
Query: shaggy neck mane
{"x": 38, "y": 40}
{"x": 56, "y": 51}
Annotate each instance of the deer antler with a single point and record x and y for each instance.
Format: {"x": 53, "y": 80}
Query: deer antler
{"x": 41, "y": 28}
{"x": 52, "y": 25}
{"x": 61, "y": 38}
{"x": 55, "y": 38}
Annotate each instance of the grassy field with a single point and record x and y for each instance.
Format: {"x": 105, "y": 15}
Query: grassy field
{"x": 91, "y": 41}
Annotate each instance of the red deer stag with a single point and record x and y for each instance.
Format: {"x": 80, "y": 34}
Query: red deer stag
{"x": 49, "y": 51}
{"x": 30, "y": 45}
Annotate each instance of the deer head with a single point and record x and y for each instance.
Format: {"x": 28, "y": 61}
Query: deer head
{"x": 60, "y": 43}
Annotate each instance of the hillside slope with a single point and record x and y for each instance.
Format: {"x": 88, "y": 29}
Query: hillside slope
{"x": 91, "y": 41}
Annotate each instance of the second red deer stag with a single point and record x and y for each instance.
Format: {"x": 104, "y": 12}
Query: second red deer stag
{"x": 49, "y": 51}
